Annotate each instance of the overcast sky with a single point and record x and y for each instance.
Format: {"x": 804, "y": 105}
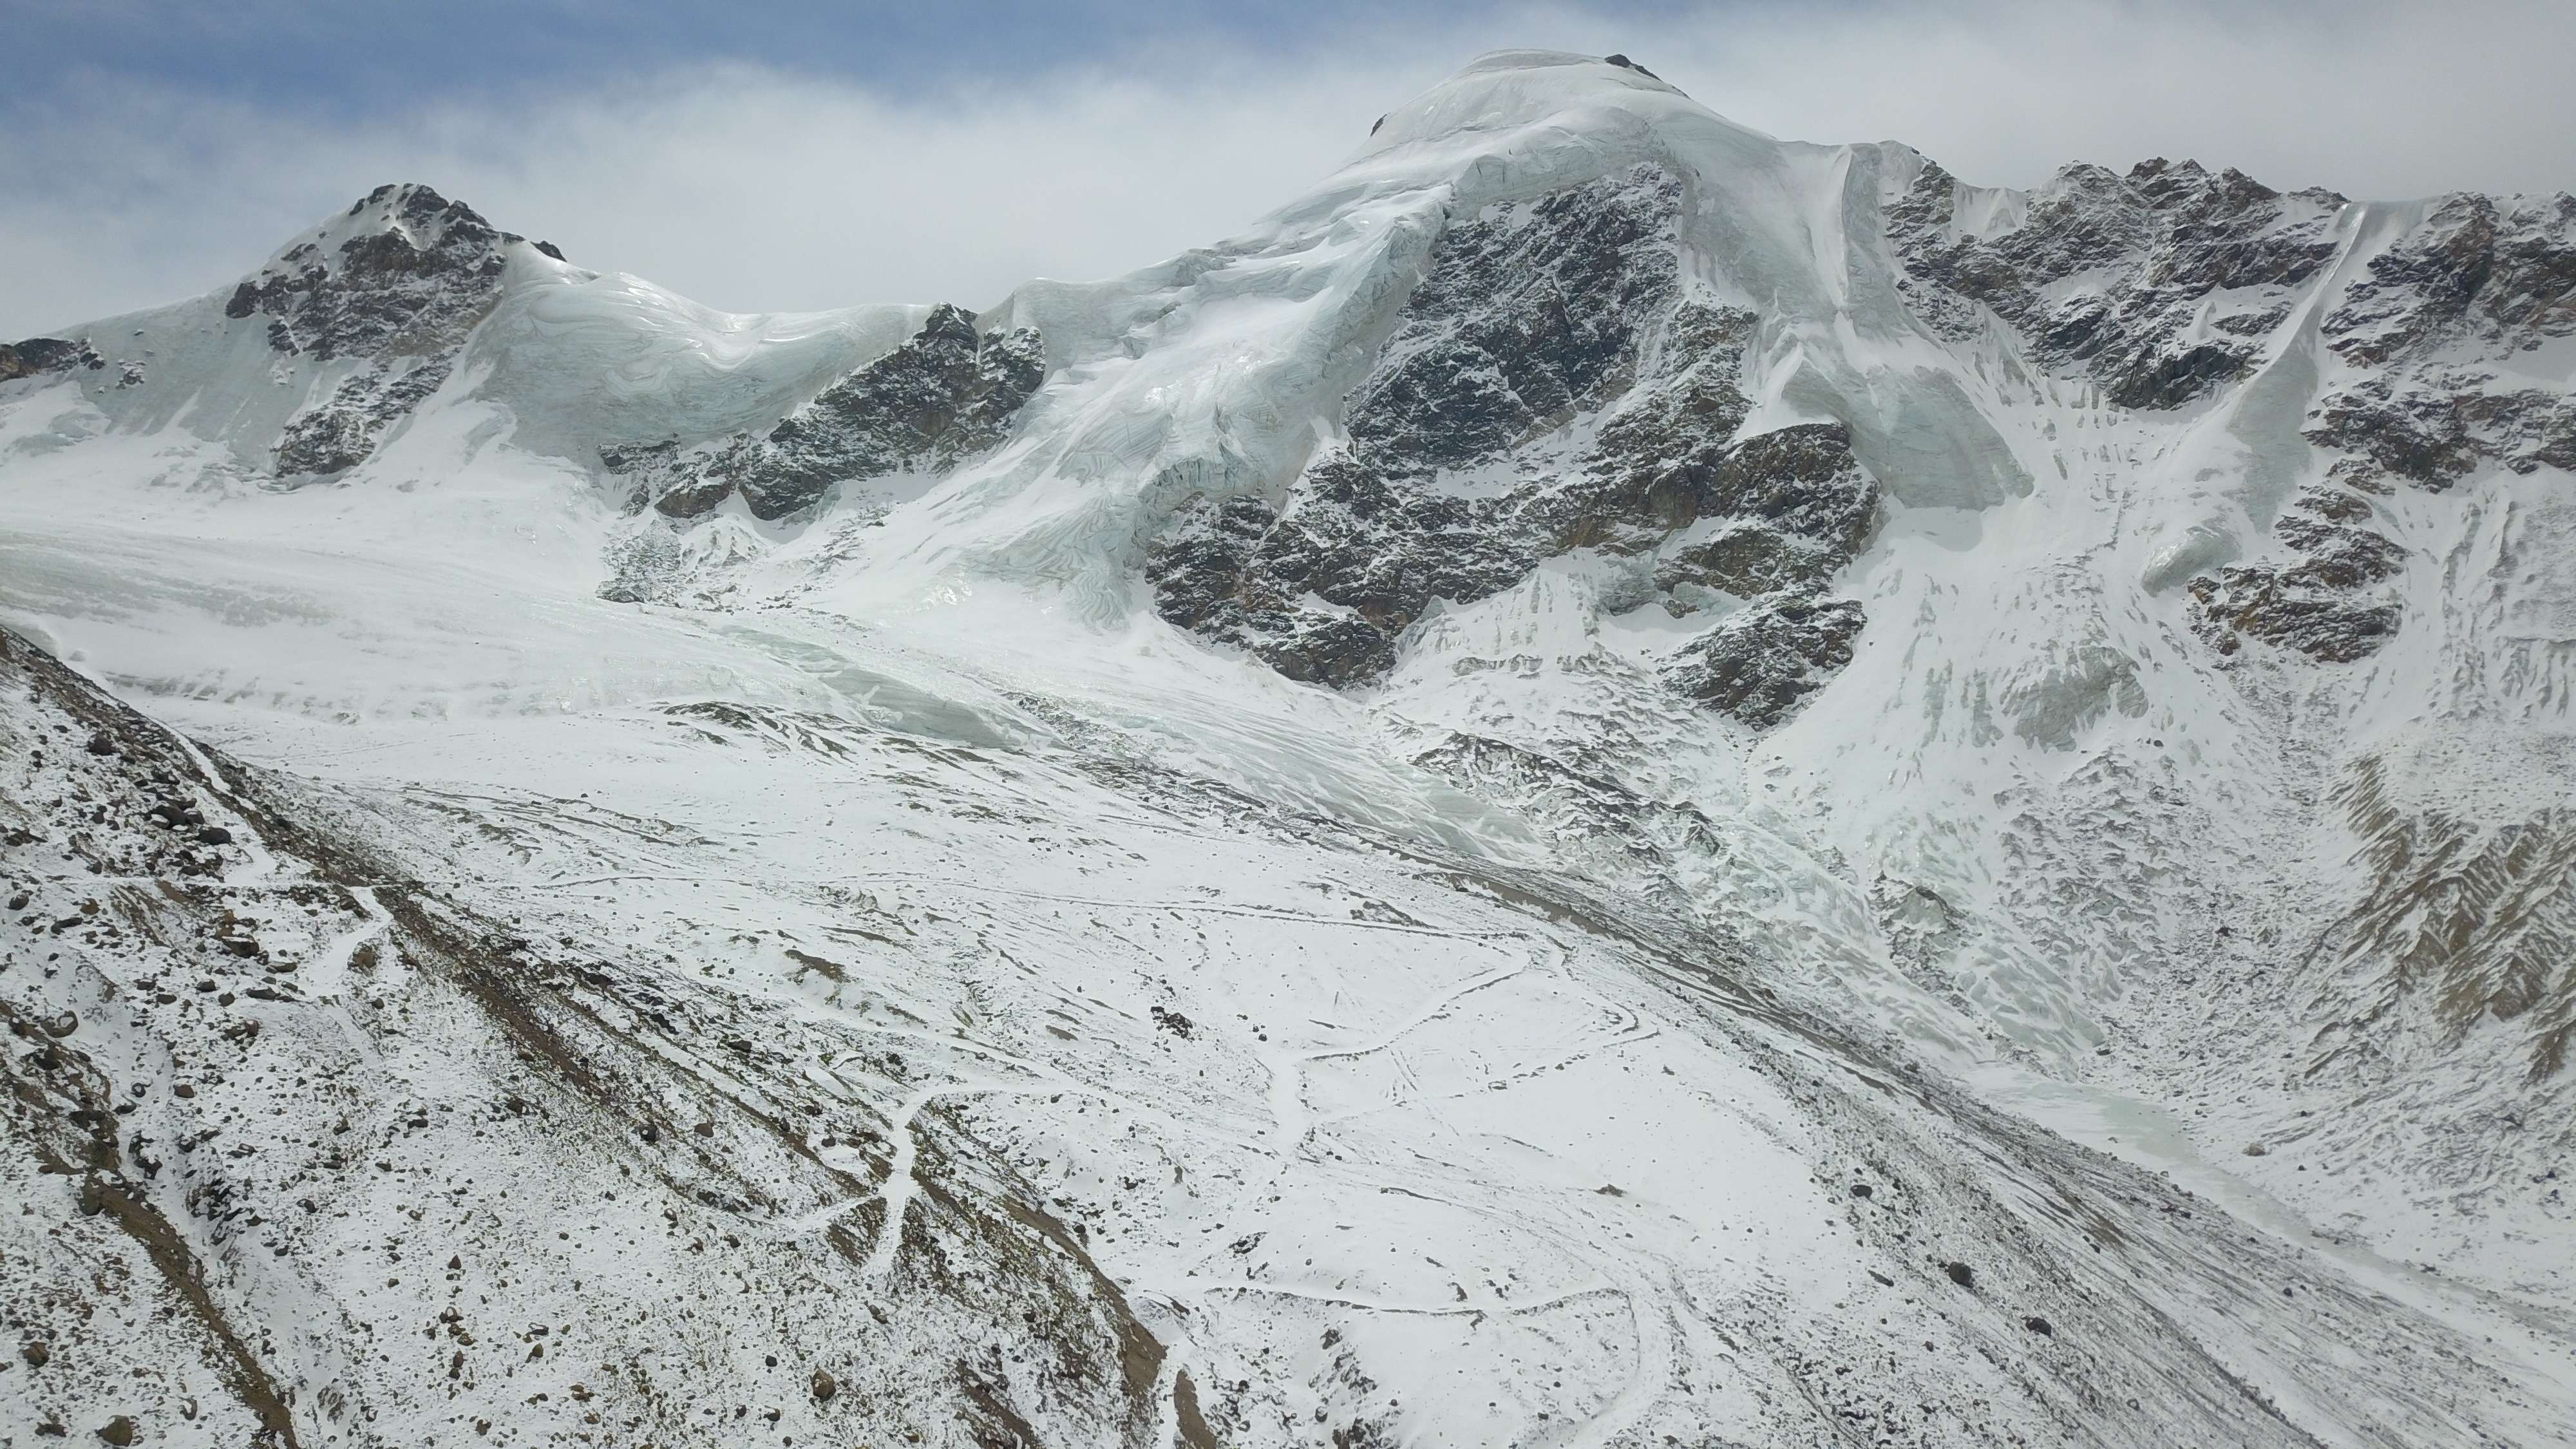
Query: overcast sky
{"x": 806, "y": 155}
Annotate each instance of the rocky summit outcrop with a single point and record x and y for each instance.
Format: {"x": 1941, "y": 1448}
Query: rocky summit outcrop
{"x": 362, "y": 320}
{"x": 1552, "y": 385}
{"x": 398, "y": 280}
{"x": 401, "y": 268}
{"x": 947, "y": 393}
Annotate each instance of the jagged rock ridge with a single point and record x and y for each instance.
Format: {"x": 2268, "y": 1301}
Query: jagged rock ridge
{"x": 1550, "y": 386}
{"x": 401, "y": 289}
{"x": 947, "y": 393}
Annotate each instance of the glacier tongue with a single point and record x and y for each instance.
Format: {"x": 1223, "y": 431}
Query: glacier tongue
{"x": 1612, "y": 782}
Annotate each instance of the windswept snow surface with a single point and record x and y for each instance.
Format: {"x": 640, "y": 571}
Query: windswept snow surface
{"x": 2057, "y": 1028}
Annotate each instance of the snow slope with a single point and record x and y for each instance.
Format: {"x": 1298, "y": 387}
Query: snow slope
{"x": 1613, "y": 782}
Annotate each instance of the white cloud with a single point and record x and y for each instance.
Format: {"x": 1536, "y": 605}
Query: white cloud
{"x": 743, "y": 188}
{"x": 750, "y": 189}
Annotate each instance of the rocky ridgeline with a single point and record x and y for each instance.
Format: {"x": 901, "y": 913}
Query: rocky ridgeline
{"x": 2158, "y": 286}
{"x": 1549, "y": 387}
{"x": 401, "y": 290}
{"x": 2168, "y": 284}
{"x": 395, "y": 284}
{"x": 946, "y": 394}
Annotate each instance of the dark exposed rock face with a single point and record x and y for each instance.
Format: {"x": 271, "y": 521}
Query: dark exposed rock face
{"x": 1525, "y": 317}
{"x": 402, "y": 292}
{"x": 39, "y": 355}
{"x": 2169, "y": 283}
{"x": 2477, "y": 278}
{"x": 341, "y": 433}
{"x": 1468, "y": 464}
{"x": 946, "y": 394}
{"x": 2476, "y": 268}
{"x": 2330, "y": 605}
{"x": 2108, "y": 276}
{"x": 1762, "y": 662}
{"x": 424, "y": 277}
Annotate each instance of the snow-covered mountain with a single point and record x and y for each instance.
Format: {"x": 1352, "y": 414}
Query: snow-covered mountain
{"x": 1612, "y": 783}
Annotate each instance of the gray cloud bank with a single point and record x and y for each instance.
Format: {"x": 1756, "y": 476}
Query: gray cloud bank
{"x": 748, "y": 188}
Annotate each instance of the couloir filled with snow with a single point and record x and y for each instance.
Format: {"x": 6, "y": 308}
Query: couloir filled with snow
{"x": 1504, "y": 1049}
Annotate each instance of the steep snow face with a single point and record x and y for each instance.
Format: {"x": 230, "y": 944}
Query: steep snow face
{"x": 1599, "y": 778}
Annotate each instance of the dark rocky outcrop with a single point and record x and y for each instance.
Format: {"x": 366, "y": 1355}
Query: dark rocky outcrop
{"x": 342, "y": 432}
{"x": 1461, "y": 474}
{"x": 1762, "y": 662}
{"x": 39, "y": 355}
{"x": 2166, "y": 284}
{"x": 406, "y": 287}
{"x": 2477, "y": 278}
{"x": 2328, "y": 605}
{"x": 2476, "y": 268}
{"x": 948, "y": 393}
{"x": 401, "y": 292}
{"x": 2113, "y": 277}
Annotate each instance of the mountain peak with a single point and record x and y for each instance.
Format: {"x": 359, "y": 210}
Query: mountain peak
{"x": 1505, "y": 89}
{"x": 400, "y": 268}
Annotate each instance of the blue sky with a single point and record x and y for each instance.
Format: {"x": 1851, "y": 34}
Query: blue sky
{"x": 354, "y": 57}
{"x": 803, "y": 155}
